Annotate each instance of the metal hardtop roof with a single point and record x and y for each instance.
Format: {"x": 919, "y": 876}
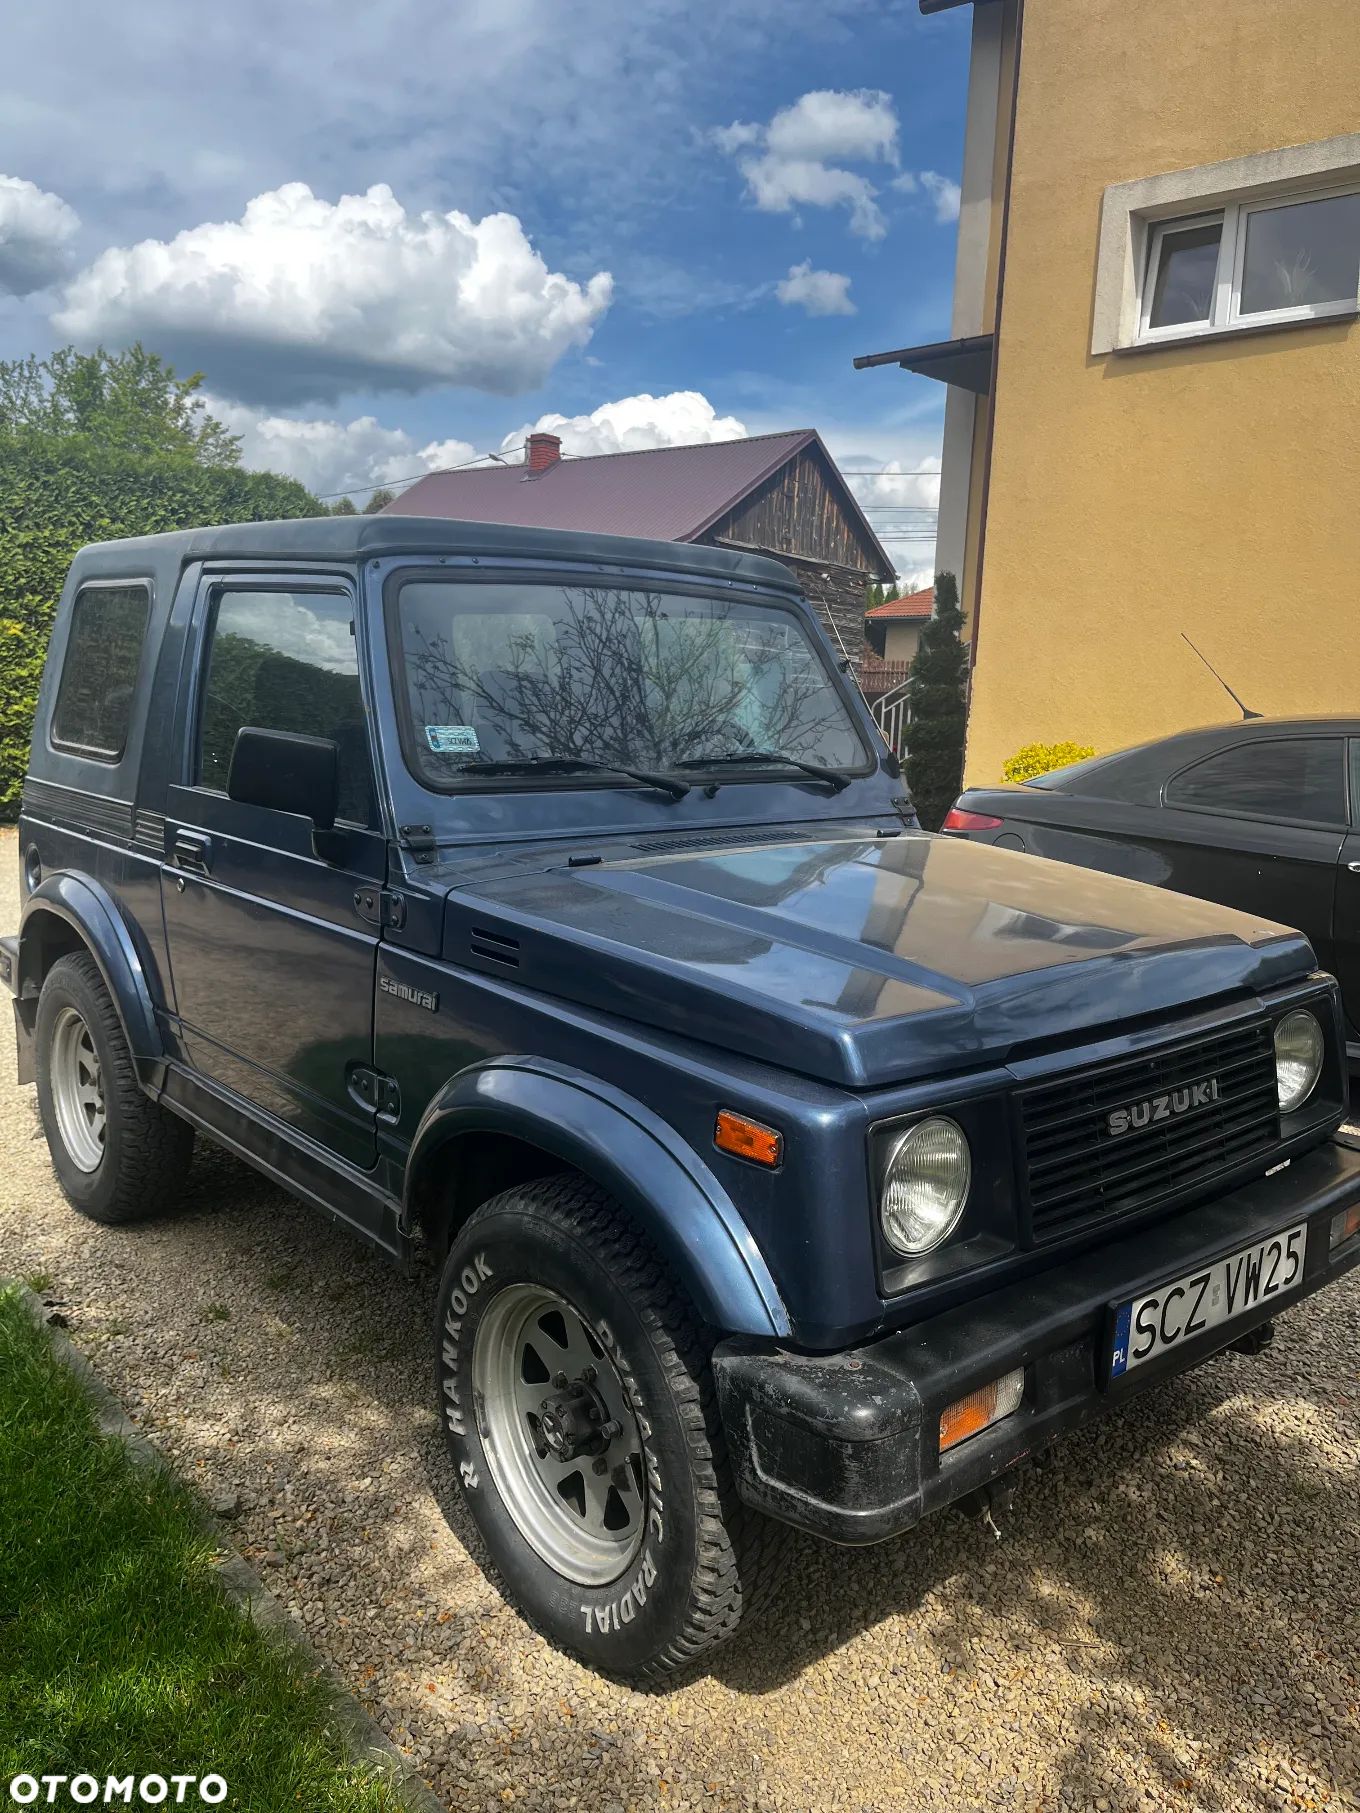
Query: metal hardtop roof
{"x": 355, "y": 538}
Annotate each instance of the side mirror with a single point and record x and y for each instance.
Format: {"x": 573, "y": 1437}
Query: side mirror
{"x": 285, "y": 772}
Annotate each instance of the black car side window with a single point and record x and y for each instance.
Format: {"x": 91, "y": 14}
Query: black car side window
{"x": 286, "y": 661}
{"x": 1296, "y": 780}
{"x": 99, "y": 674}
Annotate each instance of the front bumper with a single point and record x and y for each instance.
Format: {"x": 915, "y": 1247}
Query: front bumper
{"x": 847, "y": 1444}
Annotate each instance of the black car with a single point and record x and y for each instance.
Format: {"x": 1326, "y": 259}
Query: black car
{"x": 1263, "y": 815}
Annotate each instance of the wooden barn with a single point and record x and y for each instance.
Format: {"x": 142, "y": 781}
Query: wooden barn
{"x": 778, "y": 494}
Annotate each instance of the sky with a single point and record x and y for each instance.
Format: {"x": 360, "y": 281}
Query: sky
{"x": 397, "y": 237}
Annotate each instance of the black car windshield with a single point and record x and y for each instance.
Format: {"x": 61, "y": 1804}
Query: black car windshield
{"x": 616, "y": 675}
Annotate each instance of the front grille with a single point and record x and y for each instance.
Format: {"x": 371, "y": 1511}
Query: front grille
{"x": 1081, "y": 1174}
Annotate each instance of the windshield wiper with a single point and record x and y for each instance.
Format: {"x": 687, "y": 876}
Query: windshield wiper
{"x": 737, "y": 757}
{"x": 575, "y": 764}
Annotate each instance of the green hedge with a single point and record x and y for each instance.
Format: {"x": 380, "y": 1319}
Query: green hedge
{"x": 56, "y": 497}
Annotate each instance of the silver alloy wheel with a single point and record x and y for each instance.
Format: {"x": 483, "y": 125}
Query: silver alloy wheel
{"x": 583, "y": 1513}
{"x": 77, "y": 1091}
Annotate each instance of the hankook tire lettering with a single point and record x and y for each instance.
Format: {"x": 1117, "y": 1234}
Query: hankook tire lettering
{"x": 655, "y": 1515}
{"x": 470, "y": 1281}
{"x": 621, "y": 1611}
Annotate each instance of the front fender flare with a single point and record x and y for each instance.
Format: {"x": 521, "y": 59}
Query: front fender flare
{"x": 633, "y": 1154}
{"x": 91, "y": 911}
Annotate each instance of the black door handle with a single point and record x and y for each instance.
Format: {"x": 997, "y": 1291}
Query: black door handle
{"x": 191, "y": 850}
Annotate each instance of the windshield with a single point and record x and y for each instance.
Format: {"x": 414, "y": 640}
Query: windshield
{"x": 518, "y": 672}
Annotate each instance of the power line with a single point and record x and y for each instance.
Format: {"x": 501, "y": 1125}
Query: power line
{"x": 387, "y": 484}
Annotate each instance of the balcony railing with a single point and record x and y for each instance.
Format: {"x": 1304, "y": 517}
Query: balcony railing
{"x": 877, "y": 677}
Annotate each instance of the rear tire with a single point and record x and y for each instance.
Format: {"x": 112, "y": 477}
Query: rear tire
{"x": 557, "y": 1324}
{"x": 118, "y": 1155}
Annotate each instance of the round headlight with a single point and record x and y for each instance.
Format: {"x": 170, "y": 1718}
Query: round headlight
{"x": 925, "y": 1185}
{"x": 1298, "y": 1058}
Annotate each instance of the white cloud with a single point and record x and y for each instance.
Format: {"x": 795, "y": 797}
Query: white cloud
{"x": 819, "y": 292}
{"x": 798, "y": 159}
{"x": 832, "y": 123}
{"x": 302, "y": 299}
{"x": 330, "y": 456}
{"x": 630, "y": 423}
{"x": 36, "y": 230}
{"x": 478, "y": 101}
{"x": 944, "y": 192}
{"x": 285, "y": 622}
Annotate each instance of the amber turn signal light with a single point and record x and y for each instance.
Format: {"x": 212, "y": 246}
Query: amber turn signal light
{"x": 981, "y": 1408}
{"x": 1345, "y": 1226}
{"x": 955, "y": 820}
{"x": 747, "y": 1139}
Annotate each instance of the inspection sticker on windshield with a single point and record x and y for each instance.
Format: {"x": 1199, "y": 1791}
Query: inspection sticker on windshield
{"x": 452, "y": 739}
{"x": 1221, "y": 1292}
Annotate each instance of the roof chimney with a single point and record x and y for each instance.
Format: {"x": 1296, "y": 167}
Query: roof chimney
{"x": 541, "y": 451}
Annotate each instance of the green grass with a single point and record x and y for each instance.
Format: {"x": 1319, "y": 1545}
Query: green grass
{"x": 118, "y": 1651}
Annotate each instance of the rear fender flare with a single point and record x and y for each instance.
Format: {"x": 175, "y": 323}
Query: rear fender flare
{"x": 631, "y": 1152}
{"x": 88, "y": 909}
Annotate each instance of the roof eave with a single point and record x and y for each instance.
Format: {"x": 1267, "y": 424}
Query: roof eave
{"x": 966, "y": 363}
{"x": 808, "y": 438}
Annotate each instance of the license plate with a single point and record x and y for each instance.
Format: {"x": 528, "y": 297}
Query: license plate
{"x": 1150, "y": 1325}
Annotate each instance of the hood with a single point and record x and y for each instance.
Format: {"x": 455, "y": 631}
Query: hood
{"x": 864, "y": 961}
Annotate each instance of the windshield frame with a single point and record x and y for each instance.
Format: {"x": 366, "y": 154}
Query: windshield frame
{"x": 469, "y": 783}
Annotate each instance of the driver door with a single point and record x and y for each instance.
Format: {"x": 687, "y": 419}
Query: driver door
{"x": 273, "y": 963}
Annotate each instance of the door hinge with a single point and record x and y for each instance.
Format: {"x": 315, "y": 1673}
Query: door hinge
{"x": 380, "y": 906}
{"x": 419, "y": 840}
{"x": 376, "y": 1092}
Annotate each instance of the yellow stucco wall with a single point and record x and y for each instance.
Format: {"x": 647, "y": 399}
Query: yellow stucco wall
{"x": 1209, "y": 488}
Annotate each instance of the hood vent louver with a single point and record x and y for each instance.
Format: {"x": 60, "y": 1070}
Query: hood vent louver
{"x": 736, "y": 838}
{"x": 495, "y": 947}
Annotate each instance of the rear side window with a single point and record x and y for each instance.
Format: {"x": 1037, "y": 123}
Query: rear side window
{"x": 1299, "y": 781}
{"x": 99, "y": 674}
{"x": 286, "y": 661}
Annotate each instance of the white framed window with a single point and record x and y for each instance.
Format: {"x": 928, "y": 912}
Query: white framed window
{"x": 1269, "y": 239}
{"x": 1251, "y": 263}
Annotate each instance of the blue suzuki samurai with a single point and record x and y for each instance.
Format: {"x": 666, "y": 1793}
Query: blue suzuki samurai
{"x": 551, "y": 900}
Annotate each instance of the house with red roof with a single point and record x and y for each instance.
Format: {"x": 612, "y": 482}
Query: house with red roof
{"x": 777, "y": 494}
{"x": 893, "y": 630}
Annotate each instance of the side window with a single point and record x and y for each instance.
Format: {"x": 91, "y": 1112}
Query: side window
{"x": 286, "y": 661}
{"x": 1302, "y": 780}
{"x": 99, "y": 674}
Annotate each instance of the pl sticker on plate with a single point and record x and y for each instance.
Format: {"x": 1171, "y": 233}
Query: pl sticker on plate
{"x": 452, "y": 739}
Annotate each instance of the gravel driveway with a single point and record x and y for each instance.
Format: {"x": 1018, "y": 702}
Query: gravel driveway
{"x": 1170, "y": 1621}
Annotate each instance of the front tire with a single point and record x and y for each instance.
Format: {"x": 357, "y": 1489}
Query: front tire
{"x": 118, "y": 1155}
{"x": 578, "y": 1404}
